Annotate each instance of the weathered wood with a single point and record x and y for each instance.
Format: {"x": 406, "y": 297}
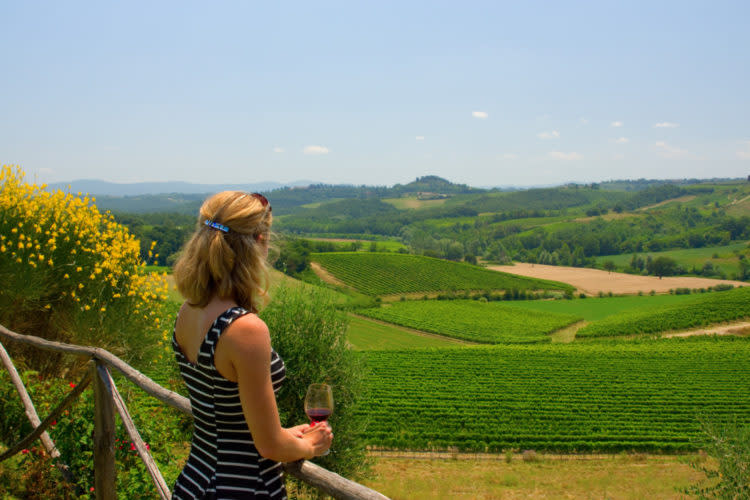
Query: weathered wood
{"x": 54, "y": 415}
{"x": 331, "y": 483}
{"x": 105, "y": 475}
{"x": 164, "y": 395}
{"x": 49, "y": 445}
{"x": 127, "y": 421}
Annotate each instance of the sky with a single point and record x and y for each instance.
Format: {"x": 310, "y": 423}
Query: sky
{"x": 483, "y": 93}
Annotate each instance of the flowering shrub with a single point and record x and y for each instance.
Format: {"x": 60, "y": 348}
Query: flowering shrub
{"x": 30, "y": 474}
{"x": 71, "y": 273}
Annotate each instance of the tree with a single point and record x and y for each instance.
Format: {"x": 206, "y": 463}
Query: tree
{"x": 663, "y": 266}
{"x": 609, "y": 265}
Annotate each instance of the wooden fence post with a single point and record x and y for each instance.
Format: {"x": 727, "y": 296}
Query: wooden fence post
{"x": 104, "y": 439}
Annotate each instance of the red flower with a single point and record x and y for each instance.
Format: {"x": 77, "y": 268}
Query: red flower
{"x": 72, "y": 385}
{"x": 132, "y": 446}
{"x": 24, "y": 451}
{"x": 91, "y": 489}
{"x": 54, "y": 422}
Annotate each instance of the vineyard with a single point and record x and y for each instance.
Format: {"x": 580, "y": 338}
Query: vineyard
{"x": 602, "y": 397}
{"x": 700, "y": 310}
{"x": 472, "y": 320}
{"x": 385, "y": 274}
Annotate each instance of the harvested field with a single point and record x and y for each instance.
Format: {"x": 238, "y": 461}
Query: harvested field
{"x": 593, "y": 281}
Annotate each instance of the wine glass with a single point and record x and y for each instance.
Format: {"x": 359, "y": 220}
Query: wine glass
{"x": 319, "y": 404}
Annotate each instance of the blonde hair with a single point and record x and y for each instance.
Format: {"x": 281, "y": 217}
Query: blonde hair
{"x": 230, "y": 265}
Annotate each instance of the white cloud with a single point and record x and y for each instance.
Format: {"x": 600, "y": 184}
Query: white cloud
{"x": 559, "y": 155}
{"x": 744, "y": 155}
{"x": 507, "y": 156}
{"x": 666, "y": 125}
{"x": 315, "y": 150}
{"x": 278, "y": 150}
{"x": 549, "y": 135}
{"x": 420, "y": 138}
{"x": 479, "y": 114}
{"x": 668, "y": 151}
{"x": 45, "y": 170}
{"x": 622, "y": 140}
{"x": 584, "y": 120}
{"x": 616, "y": 124}
{"x": 618, "y": 157}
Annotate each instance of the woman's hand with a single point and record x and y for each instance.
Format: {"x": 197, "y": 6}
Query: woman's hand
{"x": 319, "y": 437}
{"x": 298, "y": 430}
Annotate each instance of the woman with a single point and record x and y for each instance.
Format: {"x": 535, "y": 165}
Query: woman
{"x": 226, "y": 360}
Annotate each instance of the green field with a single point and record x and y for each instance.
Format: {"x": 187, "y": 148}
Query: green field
{"x": 698, "y": 310}
{"x": 367, "y": 335}
{"x": 595, "y": 309}
{"x": 726, "y": 257}
{"x": 386, "y": 274}
{"x": 475, "y": 321}
{"x": 365, "y": 245}
{"x": 590, "y": 397}
{"x": 412, "y": 202}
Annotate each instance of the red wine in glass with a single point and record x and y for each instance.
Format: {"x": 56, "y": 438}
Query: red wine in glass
{"x": 319, "y": 404}
{"x": 318, "y": 414}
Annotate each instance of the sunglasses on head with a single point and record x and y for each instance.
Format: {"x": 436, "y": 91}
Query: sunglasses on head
{"x": 262, "y": 199}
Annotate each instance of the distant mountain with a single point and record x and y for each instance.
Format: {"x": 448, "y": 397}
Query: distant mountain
{"x": 104, "y": 188}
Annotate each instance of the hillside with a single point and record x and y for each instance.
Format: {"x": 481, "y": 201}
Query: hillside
{"x": 392, "y": 274}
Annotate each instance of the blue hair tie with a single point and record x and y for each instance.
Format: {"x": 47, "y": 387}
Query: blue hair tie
{"x": 216, "y": 225}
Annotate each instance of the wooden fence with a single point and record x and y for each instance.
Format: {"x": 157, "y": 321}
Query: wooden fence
{"x": 107, "y": 401}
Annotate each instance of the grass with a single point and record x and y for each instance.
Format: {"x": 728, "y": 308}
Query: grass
{"x": 367, "y": 335}
{"x": 623, "y": 477}
{"x": 475, "y": 321}
{"x": 688, "y": 258}
{"x": 594, "y": 309}
{"x": 344, "y": 244}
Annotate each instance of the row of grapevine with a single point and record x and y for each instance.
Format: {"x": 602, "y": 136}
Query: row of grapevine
{"x": 699, "y": 311}
{"x": 485, "y": 322}
{"x": 602, "y": 397}
{"x": 388, "y": 273}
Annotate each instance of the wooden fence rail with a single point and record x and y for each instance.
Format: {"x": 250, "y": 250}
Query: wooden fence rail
{"x": 107, "y": 401}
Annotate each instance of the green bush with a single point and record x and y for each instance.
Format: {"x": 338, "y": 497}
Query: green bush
{"x": 164, "y": 430}
{"x": 310, "y": 335}
{"x": 729, "y": 445}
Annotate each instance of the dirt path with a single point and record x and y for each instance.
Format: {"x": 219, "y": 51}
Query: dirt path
{"x": 681, "y": 199}
{"x": 326, "y": 276}
{"x": 740, "y": 328}
{"x": 593, "y": 281}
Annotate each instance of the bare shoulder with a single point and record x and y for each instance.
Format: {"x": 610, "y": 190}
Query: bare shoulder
{"x": 248, "y": 332}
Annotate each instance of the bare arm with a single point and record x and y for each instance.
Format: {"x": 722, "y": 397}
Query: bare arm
{"x": 249, "y": 348}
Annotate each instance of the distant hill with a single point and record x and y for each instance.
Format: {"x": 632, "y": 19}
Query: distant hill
{"x": 103, "y": 188}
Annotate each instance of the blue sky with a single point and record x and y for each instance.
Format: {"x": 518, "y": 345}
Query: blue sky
{"x": 484, "y": 93}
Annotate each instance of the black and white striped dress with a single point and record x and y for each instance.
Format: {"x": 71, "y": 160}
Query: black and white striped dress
{"x": 223, "y": 461}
